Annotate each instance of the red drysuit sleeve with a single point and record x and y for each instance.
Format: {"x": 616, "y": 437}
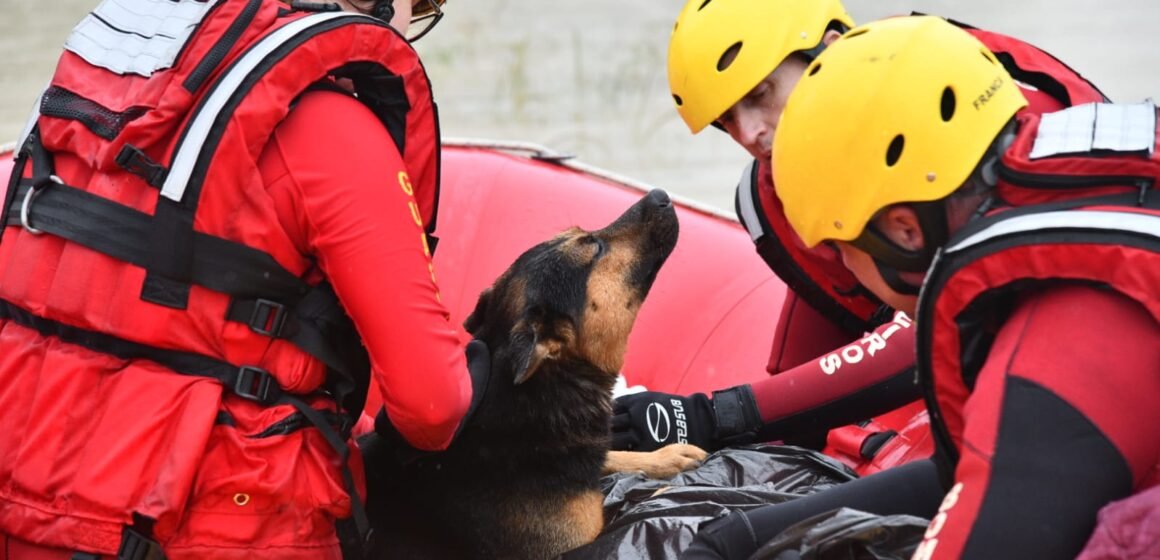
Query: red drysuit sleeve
{"x": 358, "y": 226}
{"x": 1061, "y": 421}
{"x": 870, "y": 376}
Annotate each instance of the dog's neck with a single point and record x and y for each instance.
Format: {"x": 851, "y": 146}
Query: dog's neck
{"x": 568, "y": 395}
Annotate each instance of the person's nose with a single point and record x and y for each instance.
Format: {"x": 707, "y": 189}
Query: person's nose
{"x": 753, "y": 132}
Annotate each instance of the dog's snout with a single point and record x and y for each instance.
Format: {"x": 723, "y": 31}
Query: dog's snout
{"x": 659, "y": 198}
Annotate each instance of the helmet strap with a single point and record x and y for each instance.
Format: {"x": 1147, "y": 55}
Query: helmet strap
{"x": 891, "y": 277}
{"x": 813, "y": 52}
{"x": 932, "y": 221}
{"x": 890, "y": 258}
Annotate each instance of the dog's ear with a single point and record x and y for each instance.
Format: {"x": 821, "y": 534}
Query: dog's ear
{"x": 536, "y": 340}
{"x": 479, "y": 314}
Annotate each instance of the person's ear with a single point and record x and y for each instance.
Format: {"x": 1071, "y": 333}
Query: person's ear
{"x": 899, "y": 223}
{"x": 830, "y": 36}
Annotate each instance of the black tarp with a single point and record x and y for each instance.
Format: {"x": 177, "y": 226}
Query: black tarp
{"x": 647, "y": 518}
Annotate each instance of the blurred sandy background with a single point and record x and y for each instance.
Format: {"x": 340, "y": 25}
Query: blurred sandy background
{"x": 588, "y": 76}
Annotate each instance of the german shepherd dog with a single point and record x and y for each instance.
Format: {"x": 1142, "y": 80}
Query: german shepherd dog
{"x": 521, "y": 480}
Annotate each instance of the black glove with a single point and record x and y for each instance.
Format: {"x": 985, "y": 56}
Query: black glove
{"x": 651, "y": 420}
{"x": 479, "y": 367}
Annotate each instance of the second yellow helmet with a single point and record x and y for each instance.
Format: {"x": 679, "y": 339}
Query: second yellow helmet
{"x": 721, "y": 49}
{"x": 898, "y": 110}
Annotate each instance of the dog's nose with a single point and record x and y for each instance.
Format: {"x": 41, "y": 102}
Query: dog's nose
{"x": 659, "y": 198}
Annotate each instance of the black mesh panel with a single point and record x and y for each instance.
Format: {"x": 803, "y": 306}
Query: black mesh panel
{"x": 102, "y": 121}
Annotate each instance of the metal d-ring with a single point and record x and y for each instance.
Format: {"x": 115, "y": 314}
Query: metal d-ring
{"x": 27, "y": 203}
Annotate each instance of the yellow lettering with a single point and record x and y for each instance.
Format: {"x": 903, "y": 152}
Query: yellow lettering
{"x": 426, "y": 247}
{"x": 415, "y": 213}
{"x": 405, "y": 182}
{"x": 431, "y": 270}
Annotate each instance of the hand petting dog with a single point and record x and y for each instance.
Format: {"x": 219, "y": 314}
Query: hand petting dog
{"x": 522, "y": 477}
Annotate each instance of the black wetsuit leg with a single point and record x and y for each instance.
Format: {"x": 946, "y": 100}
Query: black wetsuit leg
{"x": 911, "y": 489}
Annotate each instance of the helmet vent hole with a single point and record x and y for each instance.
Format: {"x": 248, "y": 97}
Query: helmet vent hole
{"x": 947, "y": 105}
{"x": 814, "y": 68}
{"x": 677, "y": 98}
{"x": 703, "y": 4}
{"x": 855, "y": 33}
{"x": 894, "y": 151}
{"x": 728, "y": 56}
{"x": 987, "y": 55}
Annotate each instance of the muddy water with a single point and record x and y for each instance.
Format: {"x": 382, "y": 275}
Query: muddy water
{"x": 588, "y": 76}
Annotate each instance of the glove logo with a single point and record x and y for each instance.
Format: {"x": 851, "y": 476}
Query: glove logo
{"x": 657, "y": 418}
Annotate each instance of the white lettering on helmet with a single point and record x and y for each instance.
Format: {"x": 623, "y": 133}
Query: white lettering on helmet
{"x": 657, "y": 419}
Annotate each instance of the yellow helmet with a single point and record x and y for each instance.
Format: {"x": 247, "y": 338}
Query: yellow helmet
{"x": 721, "y": 49}
{"x": 898, "y": 110}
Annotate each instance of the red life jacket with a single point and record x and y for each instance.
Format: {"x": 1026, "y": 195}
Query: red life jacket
{"x": 162, "y": 244}
{"x": 818, "y": 275}
{"x": 1083, "y": 208}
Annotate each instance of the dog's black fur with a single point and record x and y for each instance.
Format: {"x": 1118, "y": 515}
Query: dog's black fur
{"x": 521, "y": 480}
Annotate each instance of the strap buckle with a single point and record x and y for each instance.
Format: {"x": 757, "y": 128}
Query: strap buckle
{"x": 256, "y": 384}
{"x": 133, "y": 160}
{"x": 26, "y": 205}
{"x": 135, "y": 546}
{"x": 267, "y": 318}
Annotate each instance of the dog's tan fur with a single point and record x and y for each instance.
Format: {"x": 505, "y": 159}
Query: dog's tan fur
{"x": 665, "y": 462}
{"x": 522, "y": 480}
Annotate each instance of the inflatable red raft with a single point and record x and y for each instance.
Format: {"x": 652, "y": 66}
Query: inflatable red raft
{"x": 709, "y": 319}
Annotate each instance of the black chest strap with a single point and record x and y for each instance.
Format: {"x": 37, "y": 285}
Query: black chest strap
{"x": 266, "y": 297}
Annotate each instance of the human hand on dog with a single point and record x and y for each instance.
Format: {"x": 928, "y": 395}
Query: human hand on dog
{"x": 479, "y": 367}
{"x": 651, "y": 420}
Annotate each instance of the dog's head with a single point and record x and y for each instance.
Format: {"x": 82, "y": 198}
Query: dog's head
{"x": 575, "y": 297}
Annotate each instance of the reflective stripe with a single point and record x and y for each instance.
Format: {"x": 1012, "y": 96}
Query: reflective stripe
{"x": 202, "y": 124}
{"x": 136, "y": 36}
{"x": 746, "y": 203}
{"x": 1069, "y": 219}
{"x": 1096, "y": 126}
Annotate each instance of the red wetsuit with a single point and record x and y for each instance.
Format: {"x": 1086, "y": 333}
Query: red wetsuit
{"x": 1038, "y": 352}
{"x": 1062, "y": 420}
{"x": 217, "y": 238}
{"x": 336, "y": 195}
{"x": 827, "y": 308}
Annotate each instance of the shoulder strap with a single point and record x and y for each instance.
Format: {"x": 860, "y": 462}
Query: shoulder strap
{"x": 782, "y": 260}
{"x": 169, "y": 272}
{"x": 747, "y": 204}
{"x": 269, "y": 299}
